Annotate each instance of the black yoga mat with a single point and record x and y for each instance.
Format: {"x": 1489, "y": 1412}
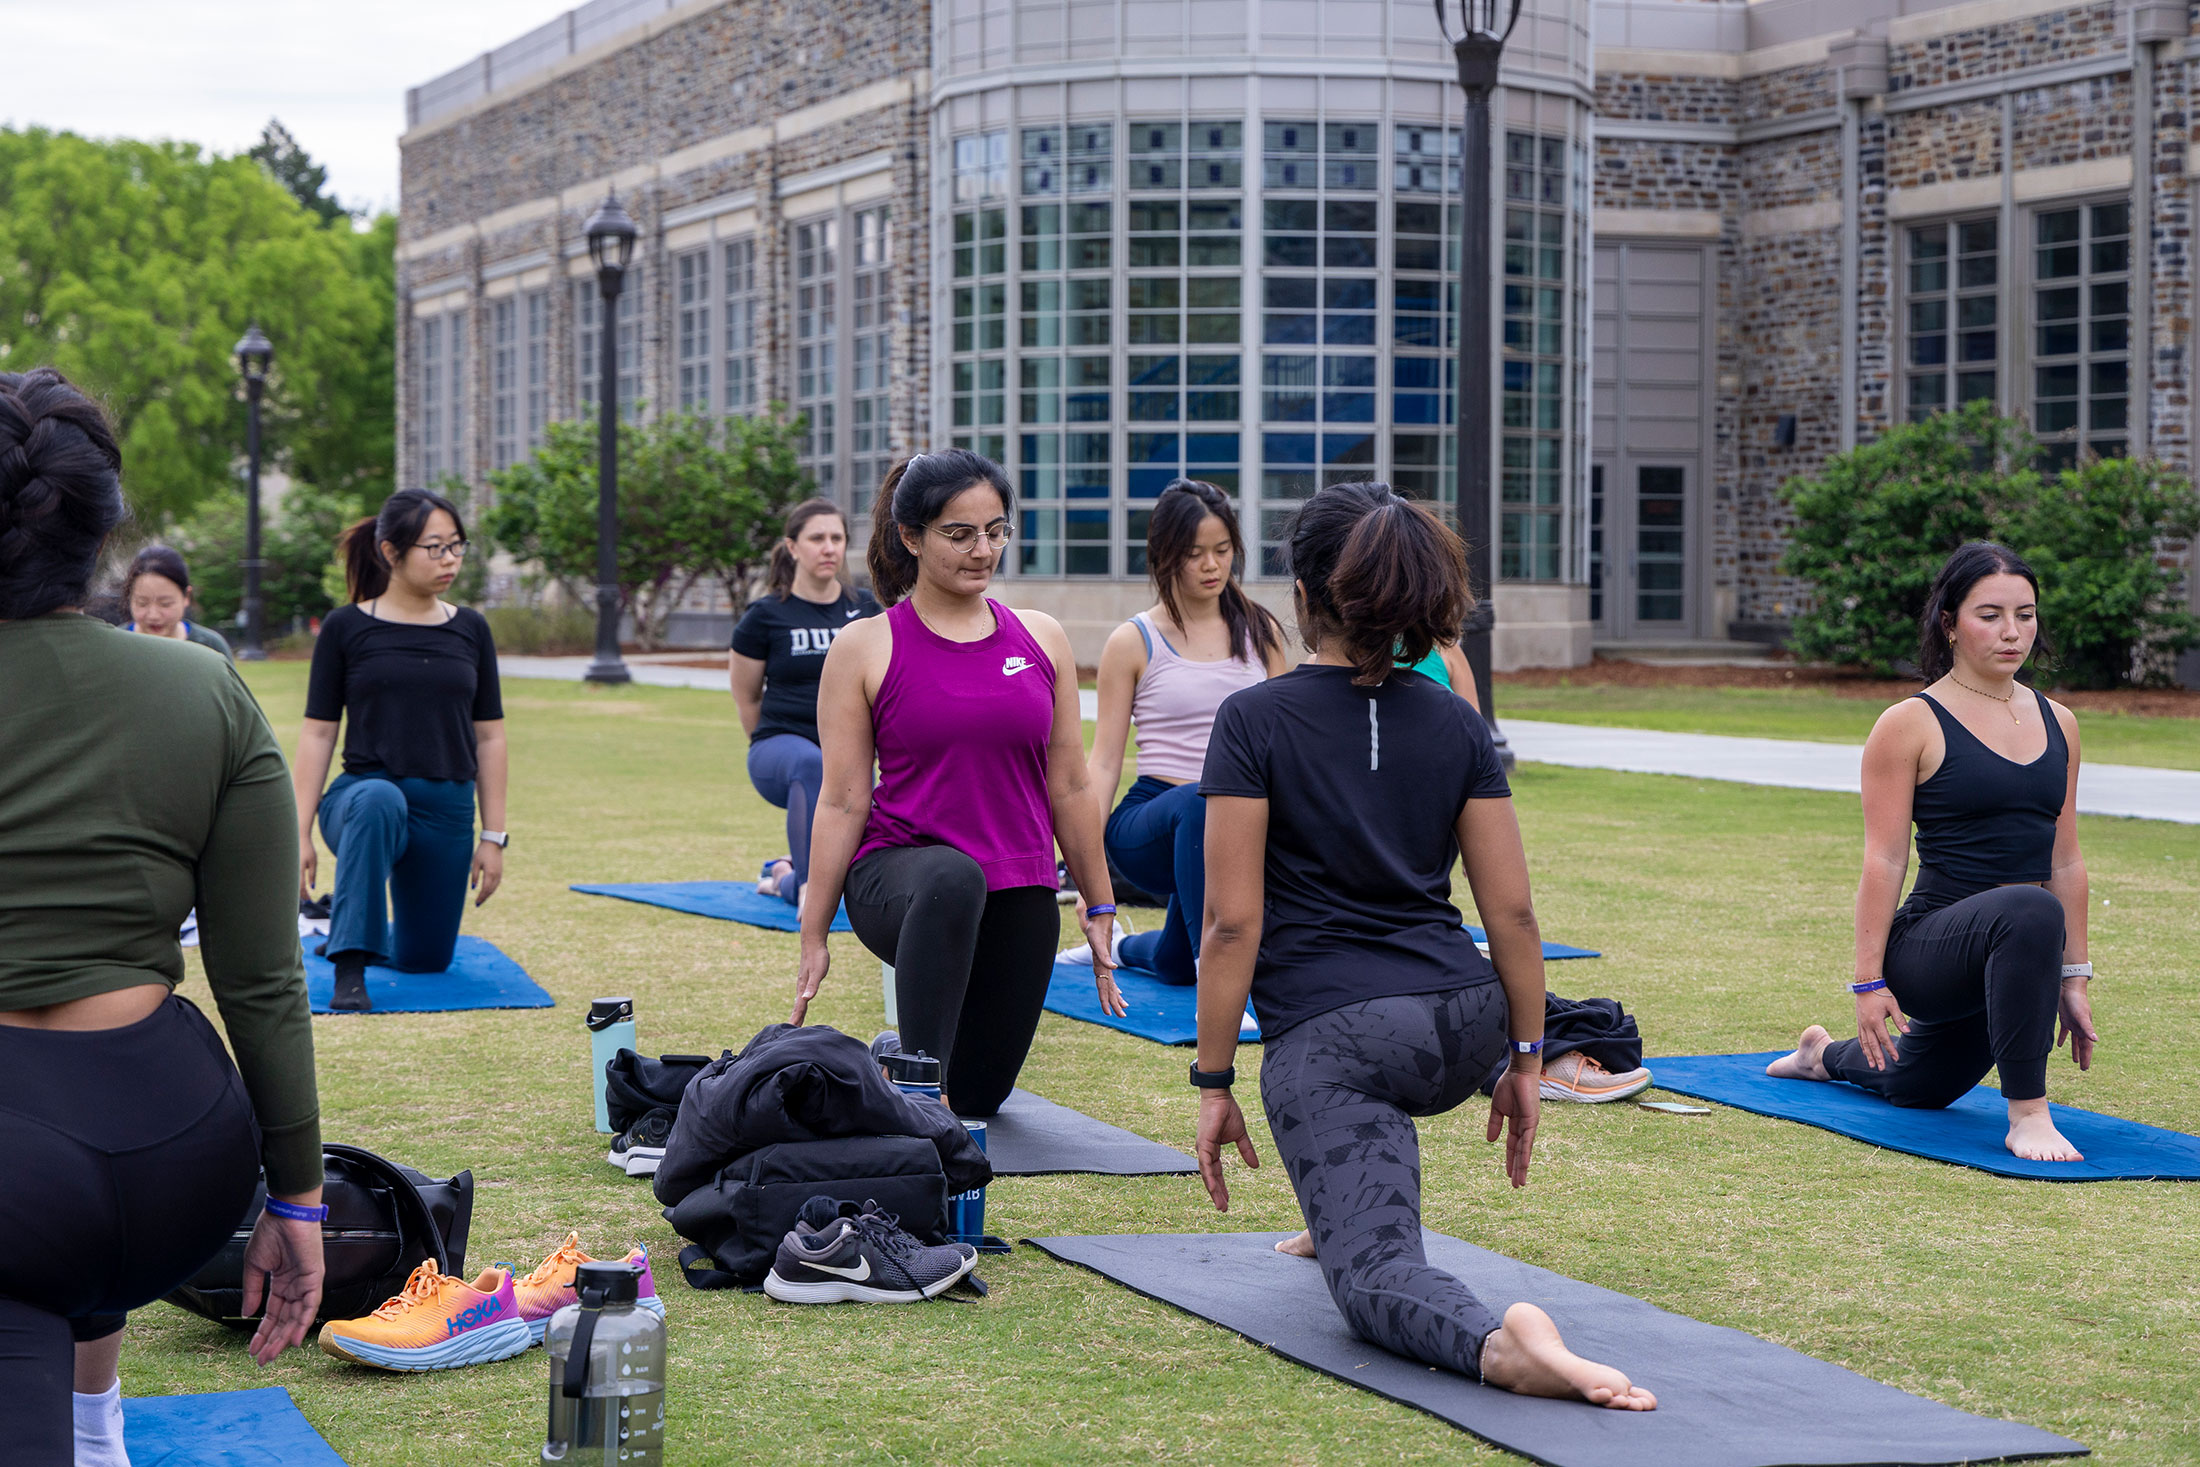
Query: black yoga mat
{"x": 1725, "y": 1398}
{"x": 1032, "y": 1136}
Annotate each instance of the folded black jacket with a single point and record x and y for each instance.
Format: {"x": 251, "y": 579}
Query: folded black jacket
{"x": 1598, "y": 1027}
{"x": 801, "y": 1084}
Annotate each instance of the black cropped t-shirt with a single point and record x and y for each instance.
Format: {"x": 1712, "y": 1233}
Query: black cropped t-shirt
{"x": 409, "y": 694}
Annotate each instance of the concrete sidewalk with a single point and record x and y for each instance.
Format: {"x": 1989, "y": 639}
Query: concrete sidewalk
{"x": 2129, "y": 790}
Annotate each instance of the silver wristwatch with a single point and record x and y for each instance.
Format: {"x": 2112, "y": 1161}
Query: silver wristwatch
{"x": 498, "y": 838}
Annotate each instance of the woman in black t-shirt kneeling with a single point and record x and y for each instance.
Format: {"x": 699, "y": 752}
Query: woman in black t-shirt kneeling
{"x": 778, "y": 651}
{"x": 416, "y": 678}
{"x": 1337, "y": 796}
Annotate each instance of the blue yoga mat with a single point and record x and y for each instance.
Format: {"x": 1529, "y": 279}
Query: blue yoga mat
{"x": 1551, "y": 950}
{"x": 1968, "y": 1133}
{"x": 260, "y": 1428}
{"x": 480, "y": 977}
{"x": 1162, "y": 1012}
{"x": 729, "y": 901}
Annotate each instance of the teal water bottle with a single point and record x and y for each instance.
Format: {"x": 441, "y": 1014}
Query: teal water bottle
{"x": 610, "y": 1029}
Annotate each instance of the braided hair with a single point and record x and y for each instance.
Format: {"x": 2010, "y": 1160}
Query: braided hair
{"x": 60, "y": 492}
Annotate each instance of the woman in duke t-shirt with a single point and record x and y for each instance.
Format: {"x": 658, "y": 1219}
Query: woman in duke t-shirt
{"x": 414, "y": 679}
{"x": 778, "y": 651}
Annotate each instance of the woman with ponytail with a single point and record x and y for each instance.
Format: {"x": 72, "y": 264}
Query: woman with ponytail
{"x": 1988, "y": 952}
{"x": 778, "y": 651}
{"x": 969, "y": 711}
{"x": 1166, "y": 671}
{"x": 413, "y": 679}
{"x": 1337, "y": 797}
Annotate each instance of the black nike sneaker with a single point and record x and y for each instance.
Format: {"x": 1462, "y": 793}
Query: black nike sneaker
{"x": 861, "y": 1257}
{"x": 639, "y": 1148}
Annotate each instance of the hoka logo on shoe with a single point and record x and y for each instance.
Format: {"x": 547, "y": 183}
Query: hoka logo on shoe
{"x": 480, "y": 1313}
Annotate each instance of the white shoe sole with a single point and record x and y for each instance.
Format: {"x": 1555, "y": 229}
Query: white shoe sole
{"x": 1593, "y": 1097}
{"x": 848, "y": 1291}
{"x": 639, "y": 1161}
{"x": 500, "y": 1341}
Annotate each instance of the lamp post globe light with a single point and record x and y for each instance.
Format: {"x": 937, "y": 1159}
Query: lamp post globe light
{"x": 611, "y": 235}
{"x": 254, "y": 353}
{"x": 1477, "y": 31}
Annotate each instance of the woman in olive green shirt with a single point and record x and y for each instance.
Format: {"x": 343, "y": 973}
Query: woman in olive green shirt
{"x": 139, "y": 776}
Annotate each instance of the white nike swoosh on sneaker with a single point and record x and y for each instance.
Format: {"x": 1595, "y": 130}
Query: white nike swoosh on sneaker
{"x": 859, "y": 1273}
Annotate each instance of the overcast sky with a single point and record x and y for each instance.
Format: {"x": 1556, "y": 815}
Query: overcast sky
{"x": 214, "y": 71}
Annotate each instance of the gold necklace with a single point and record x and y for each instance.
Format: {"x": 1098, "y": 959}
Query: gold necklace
{"x": 2007, "y": 700}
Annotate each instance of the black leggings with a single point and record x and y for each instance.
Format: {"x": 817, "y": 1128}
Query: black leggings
{"x": 1341, "y": 1090}
{"x": 130, "y": 1155}
{"x": 1980, "y": 981}
{"x": 970, "y": 965}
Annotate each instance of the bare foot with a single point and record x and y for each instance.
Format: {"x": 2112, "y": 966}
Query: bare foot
{"x": 769, "y": 885}
{"x": 2032, "y": 1133}
{"x": 1807, "y": 1063}
{"x": 1525, "y": 1356}
{"x": 1300, "y": 1247}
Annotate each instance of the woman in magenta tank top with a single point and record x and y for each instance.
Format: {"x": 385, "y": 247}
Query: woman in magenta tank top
{"x": 1165, "y": 672}
{"x": 969, "y": 711}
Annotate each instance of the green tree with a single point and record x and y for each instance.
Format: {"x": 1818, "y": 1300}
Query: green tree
{"x": 297, "y": 542}
{"x": 2107, "y": 595}
{"x": 1873, "y": 525}
{"x": 699, "y": 499}
{"x": 293, "y": 167}
{"x": 134, "y": 267}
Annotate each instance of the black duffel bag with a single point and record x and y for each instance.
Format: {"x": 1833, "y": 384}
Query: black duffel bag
{"x": 738, "y": 1219}
{"x": 384, "y": 1220}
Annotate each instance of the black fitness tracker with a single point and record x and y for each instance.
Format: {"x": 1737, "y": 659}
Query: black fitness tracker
{"x": 1214, "y": 1079}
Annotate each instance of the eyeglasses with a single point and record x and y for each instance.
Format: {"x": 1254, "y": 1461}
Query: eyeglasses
{"x": 967, "y": 538}
{"x": 443, "y": 549}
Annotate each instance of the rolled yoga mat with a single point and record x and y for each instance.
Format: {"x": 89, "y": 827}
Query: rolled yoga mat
{"x": 222, "y": 1429}
{"x": 1725, "y": 1398}
{"x": 1034, "y": 1137}
{"x": 1969, "y": 1133}
{"x": 729, "y": 901}
{"x": 480, "y": 977}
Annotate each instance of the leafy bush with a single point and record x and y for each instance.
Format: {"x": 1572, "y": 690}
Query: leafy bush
{"x": 297, "y": 542}
{"x": 1874, "y": 525}
{"x": 543, "y": 631}
{"x": 2106, "y": 597}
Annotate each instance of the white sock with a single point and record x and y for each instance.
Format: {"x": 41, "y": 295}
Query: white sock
{"x": 99, "y": 1429}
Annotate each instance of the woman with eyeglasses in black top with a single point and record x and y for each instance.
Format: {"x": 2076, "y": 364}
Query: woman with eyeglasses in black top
{"x": 416, "y": 678}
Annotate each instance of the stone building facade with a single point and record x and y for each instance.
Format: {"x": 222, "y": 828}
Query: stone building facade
{"x": 1108, "y": 241}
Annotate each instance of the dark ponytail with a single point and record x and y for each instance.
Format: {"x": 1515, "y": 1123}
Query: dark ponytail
{"x": 60, "y": 492}
{"x": 779, "y": 581}
{"x": 1170, "y": 535}
{"x": 914, "y": 494}
{"x": 1969, "y": 565}
{"x": 403, "y": 520}
{"x": 1379, "y": 574}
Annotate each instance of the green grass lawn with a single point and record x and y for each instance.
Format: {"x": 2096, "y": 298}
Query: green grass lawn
{"x": 1813, "y": 713}
{"x": 1723, "y": 910}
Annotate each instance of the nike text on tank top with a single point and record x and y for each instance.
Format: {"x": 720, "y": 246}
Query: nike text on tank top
{"x": 1175, "y": 702}
{"x": 1984, "y": 820}
{"x": 962, "y": 730}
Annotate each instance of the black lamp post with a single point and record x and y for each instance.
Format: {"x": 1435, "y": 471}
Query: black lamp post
{"x": 254, "y": 353}
{"x": 611, "y": 235}
{"x": 1483, "y": 28}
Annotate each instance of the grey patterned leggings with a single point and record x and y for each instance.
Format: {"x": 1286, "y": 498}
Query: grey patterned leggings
{"x": 1341, "y": 1091}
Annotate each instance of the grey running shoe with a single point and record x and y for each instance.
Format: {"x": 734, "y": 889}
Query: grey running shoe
{"x": 866, "y": 1258}
{"x": 1580, "y": 1079}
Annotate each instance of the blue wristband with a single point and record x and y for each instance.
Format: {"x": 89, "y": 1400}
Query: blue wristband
{"x": 297, "y": 1211}
{"x": 1105, "y": 909}
{"x": 1872, "y": 987}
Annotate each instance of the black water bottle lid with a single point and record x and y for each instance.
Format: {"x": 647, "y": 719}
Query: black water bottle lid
{"x": 604, "y": 1012}
{"x": 621, "y": 1283}
{"x": 912, "y": 1069}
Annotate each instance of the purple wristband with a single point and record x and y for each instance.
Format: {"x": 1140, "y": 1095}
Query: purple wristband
{"x": 1105, "y": 909}
{"x": 297, "y": 1211}
{"x": 1872, "y": 987}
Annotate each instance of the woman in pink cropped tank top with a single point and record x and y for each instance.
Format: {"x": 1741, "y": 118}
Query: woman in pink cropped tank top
{"x": 1166, "y": 672}
{"x": 969, "y": 711}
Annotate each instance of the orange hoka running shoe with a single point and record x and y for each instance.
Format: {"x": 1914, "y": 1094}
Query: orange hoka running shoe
{"x": 550, "y": 1287}
{"x": 437, "y": 1323}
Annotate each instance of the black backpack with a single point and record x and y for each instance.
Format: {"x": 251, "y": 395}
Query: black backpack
{"x": 384, "y": 1220}
{"x": 738, "y": 1219}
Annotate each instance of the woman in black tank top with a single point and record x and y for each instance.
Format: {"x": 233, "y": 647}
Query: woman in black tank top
{"x": 1976, "y": 967}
